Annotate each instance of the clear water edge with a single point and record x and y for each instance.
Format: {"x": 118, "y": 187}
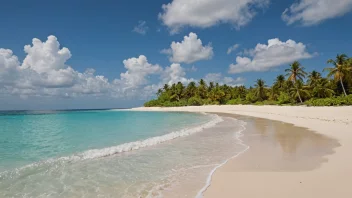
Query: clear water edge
{"x": 238, "y": 136}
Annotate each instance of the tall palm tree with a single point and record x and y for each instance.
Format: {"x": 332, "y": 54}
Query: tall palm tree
{"x": 340, "y": 69}
{"x": 299, "y": 90}
{"x": 294, "y": 73}
{"x": 313, "y": 78}
{"x": 260, "y": 89}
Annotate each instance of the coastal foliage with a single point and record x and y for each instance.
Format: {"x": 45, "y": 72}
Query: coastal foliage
{"x": 295, "y": 87}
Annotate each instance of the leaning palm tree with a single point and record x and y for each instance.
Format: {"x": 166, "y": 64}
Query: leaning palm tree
{"x": 313, "y": 78}
{"x": 340, "y": 69}
{"x": 294, "y": 73}
{"x": 299, "y": 90}
{"x": 260, "y": 89}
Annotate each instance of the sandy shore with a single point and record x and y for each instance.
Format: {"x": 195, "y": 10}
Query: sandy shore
{"x": 331, "y": 179}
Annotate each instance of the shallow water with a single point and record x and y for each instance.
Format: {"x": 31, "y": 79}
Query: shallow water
{"x": 89, "y": 154}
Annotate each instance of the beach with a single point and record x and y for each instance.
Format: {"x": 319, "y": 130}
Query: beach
{"x": 259, "y": 172}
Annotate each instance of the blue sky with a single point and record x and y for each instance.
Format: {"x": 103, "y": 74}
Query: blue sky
{"x": 102, "y": 35}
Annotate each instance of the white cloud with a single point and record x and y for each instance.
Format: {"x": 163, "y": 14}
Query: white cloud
{"x": 310, "y": 12}
{"x": 174, "y": 74}
{"x": 190, "y": 50}
{"x": 8, "y": 66}
{"x": 141, "y": 28}
{"x": 232, "y": 48}
{"x": 137, "y": 71}
{"x": 46, "y": 56}
{"x": 274, "y": 54}
{"x": 207, "y": 13}
{"x": 44, "y": 73}
{"x": 218, "y": 78}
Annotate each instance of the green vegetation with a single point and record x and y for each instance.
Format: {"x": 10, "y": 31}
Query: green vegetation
{"x": 298, "y": 87}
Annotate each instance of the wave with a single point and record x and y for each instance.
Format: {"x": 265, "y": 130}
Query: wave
{"x": 126, "y": 147}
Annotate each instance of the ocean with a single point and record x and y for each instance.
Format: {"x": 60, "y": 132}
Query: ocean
{"x": 113, "y": 153}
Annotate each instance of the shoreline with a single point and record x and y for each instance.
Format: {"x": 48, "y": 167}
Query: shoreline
{"x": 239, "y": 134}
{"x": 329, "y": 179}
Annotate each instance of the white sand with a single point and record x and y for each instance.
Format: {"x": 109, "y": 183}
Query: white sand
{"x": 332, "y": 179}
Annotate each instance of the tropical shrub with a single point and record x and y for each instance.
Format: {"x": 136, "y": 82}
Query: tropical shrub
{"x": 336, "y": 101}
{"x": 284, "y": 98}
{"x": 195, "y": 101}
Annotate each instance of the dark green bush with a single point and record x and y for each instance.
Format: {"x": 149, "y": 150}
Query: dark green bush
{"x": 195, "y": 101}
{"x": 152, "y": 103}
{"x": 236, "y": 101}
{"x": 284, "y": 98}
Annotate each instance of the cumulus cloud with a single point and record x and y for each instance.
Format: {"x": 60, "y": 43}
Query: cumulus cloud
{"x": 44, "y": 72}
{"x": 232, "y": 48}
{"x": 141, "y": 28}
{"x": 310, "y": 12}
{"x": 264, "y": 57}
{"x": 190, "y": 50}
{"x": 218, "y": 78}
{"x": 137, "y": 71}
{"x": 174, "y": 74}
{"x": 207, "y": 13}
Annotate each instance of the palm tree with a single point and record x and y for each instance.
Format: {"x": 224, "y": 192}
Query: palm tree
{"x": 178, "y": 91}
{"x": 160, "y": 91}
{"x": 299, "y": 90}
{"x": 260, "y": 89}
{"x": 280, "y": 82}
{"x": 340, "y": 69}
{"x": 322, "y": 90}
{"x": 191, "y": 89}
{"x": 202, "y": 89}
{"x": 211, "y": 86}
{"x": 216, "y": 95}
{"x": 294, "y": 73}
{"x": 313, "y": 78}
{"x": 242, "y": 91}
{"x": 166, "y": 87}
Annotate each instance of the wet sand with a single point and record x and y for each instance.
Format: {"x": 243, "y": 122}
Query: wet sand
{"x": 278, "y": 146}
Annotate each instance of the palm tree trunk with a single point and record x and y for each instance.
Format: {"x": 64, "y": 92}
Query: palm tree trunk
{"x": 299, "y": 96}
{"x": 343, "y": 87}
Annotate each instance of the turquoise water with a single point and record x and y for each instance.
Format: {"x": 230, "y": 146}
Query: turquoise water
{"x": 111, "y": 153}
{"x": 32, "y": 136}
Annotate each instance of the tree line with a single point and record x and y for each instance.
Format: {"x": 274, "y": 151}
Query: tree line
{"x": 296, "y": 86}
